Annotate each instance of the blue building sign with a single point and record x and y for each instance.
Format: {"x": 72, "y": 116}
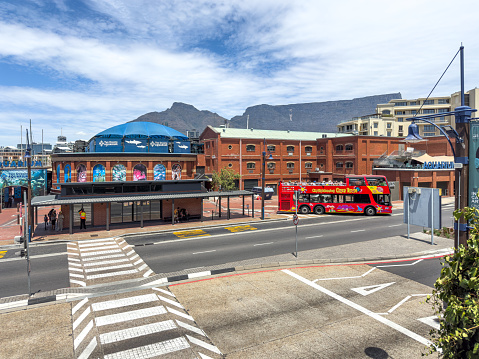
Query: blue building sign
{"x": 181, "y": 147}
{"x": 438, "y": 165}
{"x": 19, "y": 164}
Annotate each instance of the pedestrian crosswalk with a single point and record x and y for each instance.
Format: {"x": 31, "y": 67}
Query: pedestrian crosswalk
{"x": 101, "y": 261}
{"x": 143, "y": 324}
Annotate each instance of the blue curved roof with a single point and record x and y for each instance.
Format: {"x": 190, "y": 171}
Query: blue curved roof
{"x": 141, "y": 129}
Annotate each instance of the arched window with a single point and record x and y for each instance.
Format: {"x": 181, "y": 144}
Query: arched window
{"x": 386, "y": 112}
{"x": 159, "y": 172}
{"x": 289, "y": 148}
{"x": 349, "y": 165}
{"x": 349, "y": 147}
{"x": 176, "y": 171}
{"x": 308, "y": 165}
{"x": 290, "y": 165}
{"x": 271, "y": 165}
{"x": 58, "y": 173}
{"x": 118, "y": 173}
{"x": 81, "y": 173}
{"x": 139, "y": 172}
{"x": 271, "y": 148}
{"x": 250, "y": 148}
{"x": 339, "y": 165}
{"x": 250, "y": 165}
{"x": 67, "y": 174}
{"x": 308, "y": 149}
{"x": 99, "y": 173}
{"x": 339, "y": 147}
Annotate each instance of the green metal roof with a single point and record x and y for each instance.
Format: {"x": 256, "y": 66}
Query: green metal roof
{"x": 273, "y": 134}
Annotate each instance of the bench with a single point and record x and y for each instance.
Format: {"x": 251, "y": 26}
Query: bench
{"x": 191, "y": 216}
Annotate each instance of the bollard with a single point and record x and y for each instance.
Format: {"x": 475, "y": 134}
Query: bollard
{"x": 212, "y": 213}
{"x": 18, "y": 219}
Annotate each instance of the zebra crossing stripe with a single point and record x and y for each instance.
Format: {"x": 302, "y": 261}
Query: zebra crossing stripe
{"x": 203, "y": 344}
{"x": 176, "y": 304}
{"x": 83, "y": 334}
{"x": 75, "y": 269}
{"x": 89, "y": 270}
{"x": 79, "y": 305}
{"x": 75, "y": 264}
{"x": 88, "y": 350}
{"x": 148, "y": 273}
{"x": 129, "y": 316}
{"x": 142, "y": 267}
{"x": 104, "y": 257}
{"x": 73, "y": 259}
{"x": 136, "y": 332}
{"x": 190, "y": 327}
{"x": 152, "y": 350}
{"x": 96, "y": 241}
{"x": 80, "y": 319}
{"x": 118, "y": 303}
{"x": 113, "y": 274}
{"x": 88, "y": 245}
{"x": 164, "y": 292}
{"x": 76, "y": 275}
{"x": 101, "y": 263}
{"x": 203, "y": 356}
{"x": 100, "y": 253}
{"x": 83, "y": 250}
{"x": 83, "y": 284}
{"x": 181, "y": 314}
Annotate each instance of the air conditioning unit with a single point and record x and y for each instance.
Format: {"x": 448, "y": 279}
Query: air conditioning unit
{"x": 213, "y": 156}
{"x": 316, "y": 169}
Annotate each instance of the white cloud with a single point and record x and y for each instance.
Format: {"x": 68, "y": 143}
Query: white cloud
{"x": 122, "y": 59}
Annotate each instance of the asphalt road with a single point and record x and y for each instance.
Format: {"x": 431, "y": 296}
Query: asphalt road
{"x": 169, "y": 252}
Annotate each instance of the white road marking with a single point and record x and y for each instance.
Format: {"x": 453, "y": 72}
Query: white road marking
{"x": 396, "y": 225}
{"x": 199, "y": 274}
{"x": 112, "y": 274}
{"x": 101, "y": 263}
{"x": 181, "y": 314}
{"x": 400, "y": 265}
{"x": 89, "y": 270}
{"x": 371, "y": 288}
{"x": 201, "y": 343}
{"x": 169, "y": 301}
{"x": 263, "y": 244}
{"x": 98, "y": 249}
{"x": 96, "y": 240}
{"x": 83, "y": 284}
{"x": 88, "y": 350}
{"x": 76, "y": 275}
{"x": 83, "y": 334}
{"x": 359, "y": 230}
{"x": 148, "y": 273}
{"x": 405, "y": 300}
{"x": 203, "y": 356}
{"x": 431, "y": 321}
{"x": 164, "y": 292}
{"x": 100, "y": 253}
{"x": 129, "y": 316}
{"x": 136, "y": 332}
{"x": 124, "y": 302}
{"x": 358, "y": 276}
{"x": 75, "y": 269}
{"x": 214, "y": 250}
{"x": 190, "y": 327}
{"x": 75, "y": 264}
{"x": 89, "y": 245}
{"x": 152, "y": 350}
{"x": 138, "y": 262}
{"x": 80, "y": 319}
{"x": 314, "y": 237}
{"x": 105, "y": 257}
{"x": 142, "y": 267}
{"x": 361, "y": 309}
{"x": 4, "y": 260}
{"x": 79, "y": 305}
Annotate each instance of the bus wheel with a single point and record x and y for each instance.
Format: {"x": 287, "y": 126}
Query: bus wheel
{"x": 319, "y": 210}
{"x": 369, "y": 211}
{"x": 304, "y": 210}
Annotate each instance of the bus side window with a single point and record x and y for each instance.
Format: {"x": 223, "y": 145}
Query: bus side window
{"x": 362, "y": 198}
{"x": 326, "y": 198}
{"x": 303, "y": 197}
{"x": 314, "y": 198}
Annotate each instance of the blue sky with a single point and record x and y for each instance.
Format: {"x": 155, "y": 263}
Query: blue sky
{"x": 79, "y": 67}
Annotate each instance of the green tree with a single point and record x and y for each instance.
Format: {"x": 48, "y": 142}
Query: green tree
{"x": 225, "y": 179}
{"x": 455, "y": 297}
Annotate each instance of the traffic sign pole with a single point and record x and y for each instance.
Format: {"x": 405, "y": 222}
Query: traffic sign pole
{"x": 297, "y": 220}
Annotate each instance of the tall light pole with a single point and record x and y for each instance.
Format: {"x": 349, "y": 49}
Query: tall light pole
{"x": 28, "y": 156}
{"x": 263, "y": 177}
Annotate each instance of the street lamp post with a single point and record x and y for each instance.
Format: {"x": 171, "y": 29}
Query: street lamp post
{"x": 270, "y": 157}
{"x": 462, "y": 116}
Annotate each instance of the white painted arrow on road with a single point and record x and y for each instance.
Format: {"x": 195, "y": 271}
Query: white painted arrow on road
{"x": 371, "y": 288}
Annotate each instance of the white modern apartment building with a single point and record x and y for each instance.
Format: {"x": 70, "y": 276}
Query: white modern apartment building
{"x": 390, "y": 118}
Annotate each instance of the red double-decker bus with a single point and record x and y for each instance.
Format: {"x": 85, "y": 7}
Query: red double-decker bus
{"x": 355, "y": 194}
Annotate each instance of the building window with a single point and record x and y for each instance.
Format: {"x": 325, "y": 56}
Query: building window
{"x": 271, "y": 165}
{"x": 339, "y": 165}
{"x": 442, "y": 110}
{"x": 400, "y": 113}
{"x": 427, "y": 111}
{"x": 389, "y": 125}
{"x": 429, "y": 128}
{"x": 375, "y": 125}
{"x": 349, "y": 165}
{"x": 321, "y": 149}
{"x": 230, "y": 147}
{"x": 413, "y": 103}
{"x": 289, "y": 148}
{"x": 443, "y": 101}
{"x": 230, "y": 165}
{"x": 389, "y": 134}
{"x": 400, "y": 119}
{"x": 271, "y": 148}
{"x": 429, "y": 102}
{"x": 308, "y": 149}
{"x": 400, "y": 128}
{"x": 349, "y": 147}
{"x": 413, "y": 112}
{"x": 386, "y": 112}
{"x": 290, "y": 165}
{"x": 250, "y": 165}
{"x": 250, "y": 148}
{"x": 339, "y": 147}
{"x": 400, "y": 104}
{"x": 321, "y": 165}
{"x": 308, "y": 165}
{"x": 375, "y": 133}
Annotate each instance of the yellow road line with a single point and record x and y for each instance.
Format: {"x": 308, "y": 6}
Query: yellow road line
{"x": 240, "y": 228}
{"x": 2, "y": 253}
{"x": 191, "y": 233}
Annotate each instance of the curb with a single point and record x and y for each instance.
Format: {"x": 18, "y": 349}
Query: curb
{"x": 21, "y": 302}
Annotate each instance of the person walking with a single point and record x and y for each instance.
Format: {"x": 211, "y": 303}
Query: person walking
{"x": 82, "y": 218}
{"x": 54, "y": 219}
{"x": 61, "y": 217}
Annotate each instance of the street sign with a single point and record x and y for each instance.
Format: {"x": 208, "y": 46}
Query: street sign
{"x": 295, "y": 219}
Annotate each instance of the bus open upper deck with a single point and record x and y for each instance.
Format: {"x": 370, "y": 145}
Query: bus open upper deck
{"x": 355, "y": 194}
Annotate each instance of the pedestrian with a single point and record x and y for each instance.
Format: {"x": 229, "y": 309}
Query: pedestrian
{"x": 82, "y": 218}
{"x": 187, "y": 215}
{"x": 54, "y": 219}
{"x": 176, "y": 213}
{"x": 61, "y": 217}
{"x": 50, "y": 216}
{"x": 45, "y": 219}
